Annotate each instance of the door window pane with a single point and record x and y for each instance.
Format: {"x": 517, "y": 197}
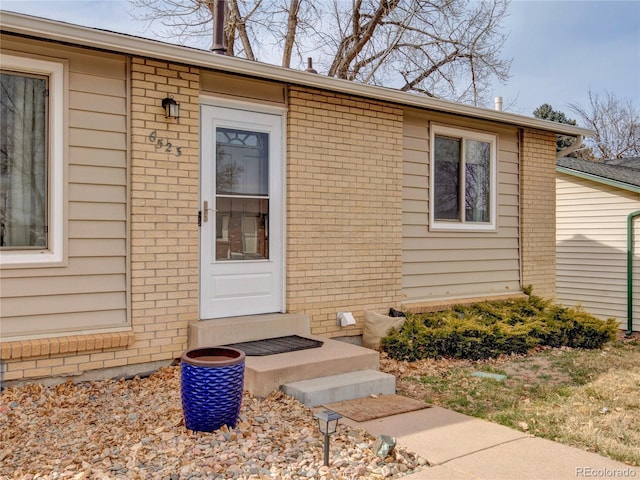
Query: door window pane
{"x": 447, "y": 178}
{"x": 242, "y": 162}
{"x": 242, "y": 195}
{"x": 242, "y": 229}
{"x": 23, "y": 161}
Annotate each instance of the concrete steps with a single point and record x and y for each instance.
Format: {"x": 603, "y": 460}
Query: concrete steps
{"x": 346, "y": 386}
{"x": 264, "y": 375}
{"x": 336, "y": 371}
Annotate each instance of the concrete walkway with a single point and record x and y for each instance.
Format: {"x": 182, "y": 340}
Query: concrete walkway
{"x": 461, "y": 448}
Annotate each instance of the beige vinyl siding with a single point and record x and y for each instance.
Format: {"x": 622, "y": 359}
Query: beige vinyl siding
{"x": 591, "y": 250}
{"x": 88, "y": 292}
{"x": 445, "y": 265}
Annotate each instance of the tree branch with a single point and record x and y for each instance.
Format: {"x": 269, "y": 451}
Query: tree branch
{"x": 292, "y": 25}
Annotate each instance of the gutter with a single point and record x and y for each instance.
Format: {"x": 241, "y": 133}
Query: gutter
{"x": 630, "y": 271}
{"x": 41, "y": 28}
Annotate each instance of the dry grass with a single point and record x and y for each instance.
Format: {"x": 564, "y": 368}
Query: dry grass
{"x": 585, "y": 398}
{"x": 602, "y": 416}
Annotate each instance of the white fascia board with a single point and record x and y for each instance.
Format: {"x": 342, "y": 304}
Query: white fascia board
{"x": 37, "y": 27}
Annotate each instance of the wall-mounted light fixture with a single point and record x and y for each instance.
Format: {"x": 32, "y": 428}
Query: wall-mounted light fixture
{"x": 171, "y": 108}
{"x": 327, "y": 424}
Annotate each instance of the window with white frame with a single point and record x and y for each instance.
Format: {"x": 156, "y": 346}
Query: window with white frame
{"x": 31, "y": 161}
{"x": 462, "y": 179}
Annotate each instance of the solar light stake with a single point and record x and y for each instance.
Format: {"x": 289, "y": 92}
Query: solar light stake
{"x": 326, "y": 449}
{"x": 327, "y": 424}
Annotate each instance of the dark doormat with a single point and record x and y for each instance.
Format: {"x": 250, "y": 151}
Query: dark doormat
{"x": 271, "y": 346}
{"x": 370, "y": 408}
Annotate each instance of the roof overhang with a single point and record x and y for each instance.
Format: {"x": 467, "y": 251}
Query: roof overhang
{"x": 36, "y": 27}
{"x": 598, "y": 179}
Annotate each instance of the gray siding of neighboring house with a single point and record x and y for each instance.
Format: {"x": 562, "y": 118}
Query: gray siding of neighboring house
{"x": 443, "y": 265}
{"x": 89, "y": 292}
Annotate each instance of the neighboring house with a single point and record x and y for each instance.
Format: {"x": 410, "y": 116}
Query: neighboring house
{"x": 594, "y": 204}
{"x": 274, "y": 191}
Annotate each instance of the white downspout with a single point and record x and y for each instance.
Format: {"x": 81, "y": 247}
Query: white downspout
{"x": 577, "y": 145}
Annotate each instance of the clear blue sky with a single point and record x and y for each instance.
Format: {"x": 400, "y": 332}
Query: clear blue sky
{"x": 560, "y": 49}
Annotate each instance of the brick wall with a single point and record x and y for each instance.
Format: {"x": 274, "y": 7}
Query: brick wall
{"x": 164, "y": 206}
{"x": 164, "y": 239}
{"x": 65, "y": 355}
{"x": 538, "y": 211}
{"x": 344, "y": 207}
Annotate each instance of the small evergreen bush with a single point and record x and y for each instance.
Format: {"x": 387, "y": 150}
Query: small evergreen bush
{"x": 489, "y": 329}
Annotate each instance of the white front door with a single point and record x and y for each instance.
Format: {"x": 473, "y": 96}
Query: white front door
{"x": 241, "y": 259}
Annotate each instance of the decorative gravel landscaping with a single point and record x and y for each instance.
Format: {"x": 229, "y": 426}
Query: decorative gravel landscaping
{"x": 134, "y": 429}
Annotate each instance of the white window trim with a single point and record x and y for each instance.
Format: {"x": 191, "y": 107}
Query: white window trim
{"x": 439, "y": 225}
{"x": 54, "y": 253}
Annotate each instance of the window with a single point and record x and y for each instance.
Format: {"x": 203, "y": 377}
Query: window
{"x": 242, "y": 194}
{"x": 23, "y": 161}
{"x": 31, "y": 164}
{"x": 463, "y": 187}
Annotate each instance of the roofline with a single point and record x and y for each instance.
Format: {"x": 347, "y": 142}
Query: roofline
{"x": 598, "y": 179}
{"x": 122, "y": 43}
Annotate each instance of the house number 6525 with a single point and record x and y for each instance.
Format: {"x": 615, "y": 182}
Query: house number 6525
{"x": 161, "y": 143}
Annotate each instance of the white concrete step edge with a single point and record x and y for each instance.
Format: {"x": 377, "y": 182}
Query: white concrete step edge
{"x": 223, "y": 331}
{"x": 337, "y": 388}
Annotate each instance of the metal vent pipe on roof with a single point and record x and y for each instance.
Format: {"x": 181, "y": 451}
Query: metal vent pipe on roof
{"x": 310, "y": 68}
{"x": 497, "y": 102}
{"x": 218, "y": 28}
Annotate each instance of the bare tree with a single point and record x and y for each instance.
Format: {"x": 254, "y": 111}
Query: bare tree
{"x": 616, "y": 124}
{"x": 440, "y": 48}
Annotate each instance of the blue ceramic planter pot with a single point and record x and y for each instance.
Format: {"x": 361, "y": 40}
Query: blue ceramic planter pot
{"x": 212, "y": 381}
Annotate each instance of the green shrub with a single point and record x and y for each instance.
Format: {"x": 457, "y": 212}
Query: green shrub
{"x": 489, "y": 329}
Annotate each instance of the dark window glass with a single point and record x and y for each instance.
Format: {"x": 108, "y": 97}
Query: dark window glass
{"x": 23, "y": 161}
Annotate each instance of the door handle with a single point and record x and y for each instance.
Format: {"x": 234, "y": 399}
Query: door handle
{"x": 206, "y": 210}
